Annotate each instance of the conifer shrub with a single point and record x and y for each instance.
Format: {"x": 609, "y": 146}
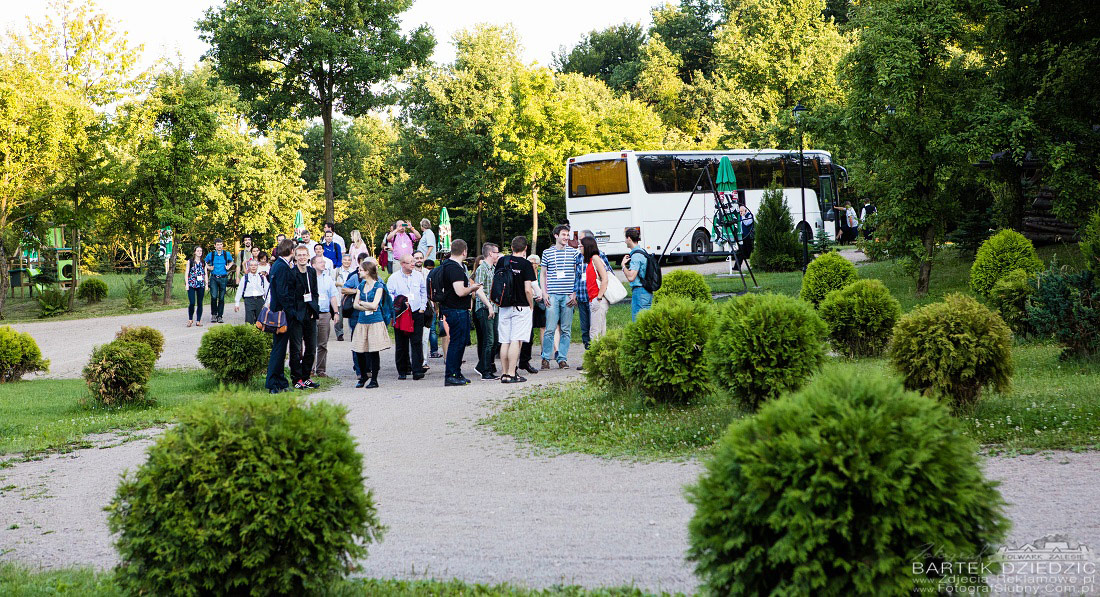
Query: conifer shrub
{"x": 762, "y": 345}
{"x": 247, "y": 495}
{"x": 775, "y": 247}
{"x": 92, "y": 290}
{"x": 662, "y": 352}
{"x": 19, "y": 355}
{"x": 1000, "y": 254}
{"x": 683, "y": 283}
{"x": 234, "y": 353}
{"x": 1066, "y": 305}
{"x": 155, "y": 276}
{"x": 952, "y": 350}
{"x": 824, "y": 274}
{"x": 118, "y": 373}
{"x": 144, "y": 334}
{"x": 601, "y": 362}
{"x": 1010, "y": 296}
{"x": 840, "y": 490}
{"x": 861, "y": 317}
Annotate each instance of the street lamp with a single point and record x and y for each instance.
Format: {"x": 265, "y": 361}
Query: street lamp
{"x": 797, "y": 112}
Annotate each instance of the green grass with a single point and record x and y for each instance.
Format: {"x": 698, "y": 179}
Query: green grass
{"x": 25, "y": 308}
{"x": 20, "y": 581}
{"x": 52, "y": 414}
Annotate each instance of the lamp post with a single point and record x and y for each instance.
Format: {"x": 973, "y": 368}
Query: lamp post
{"x": 797, "y": 112}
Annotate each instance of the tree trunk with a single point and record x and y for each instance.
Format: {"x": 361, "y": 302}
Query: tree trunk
{"x": 326, "y": 118}
{"x": 925, "y": 274}
{"x": 534, "y": 221}
{"x": 170, "y": 265}
{"x": 480, "y": 226}
{"x": 5, "y": 280}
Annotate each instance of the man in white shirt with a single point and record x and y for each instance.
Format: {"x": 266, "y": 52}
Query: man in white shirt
{"x": 340, "y": 275}
{"x": 328, "y": 304}
{"x": 336, "y": 238}
{"x": 427, "y": 240}
{"x": 253, "y": 289}
{"x": 409, "y": 283}
{"x": 319, "y": 251}
{"x": 305, "y": 241}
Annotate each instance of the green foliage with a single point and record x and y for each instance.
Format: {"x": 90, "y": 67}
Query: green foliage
{"x": 52, "y": 301}
{"x": 247, "y": 495}
{"x": 234, "y": 353}
{"x": 19, "y": 355}
{"x": 154, "y": 274}
{"x": 612, "y": 56}
{"x": 861, "y": 317}
{"x": 1001, "y": 253}
{"x": 92, "y": 290}
{"x": 822, "y": 243}
{"x": 662, "y": 351}
{"x": 825, "y": 274}
{"x": 684, "y": 283}
{"x": 776, "y": 247}
{"x": 1010, "y": 297}
{"x": 134, "y": 293}
{"x": 601, "y": 362}
{"x": 1067, "y": 306}
{"x": 118, "y": 372}
{"x": 953, "y": 349}
{"x": 1090, "y": 244}
{"x": 763, "y": 345}
{"x": 144, "y": 334}
{"x": 785, "y": 503}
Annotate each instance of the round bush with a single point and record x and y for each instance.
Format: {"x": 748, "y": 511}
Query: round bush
{"x": 999, "y": 254}
{"x": 19, "y": 355}
{"x": 683, "y": 283}
{"x": 1010, "y": 296}
{"x": 92, "y": 290}
{"x": 824, "y": 274}
{"x": 763, "y": 345}
{"x": 144, "y": 334}
{"x": 119, "y": 372}
{"x": 860, "y": 317}
{"x": 234, "y": 353}
{"x": 842, "y": 487}
{"x": 953, "y": 349}
{"x": 662, "y": 352}
{"x": 245, "y": 496}
{"x": 601, "y": 362}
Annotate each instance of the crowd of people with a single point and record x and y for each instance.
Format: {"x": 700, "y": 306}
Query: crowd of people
{"x": 512, "y": 302}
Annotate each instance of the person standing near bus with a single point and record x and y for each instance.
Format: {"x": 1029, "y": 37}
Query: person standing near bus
{"x": 559, "y": 278}
{"x": 634, "y": 266}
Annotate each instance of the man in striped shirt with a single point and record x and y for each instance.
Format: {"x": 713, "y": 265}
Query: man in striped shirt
{"x": 559, "y": 277}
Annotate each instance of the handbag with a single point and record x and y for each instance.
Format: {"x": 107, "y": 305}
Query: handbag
{"x": 615, "y": 290}
{"x": 272, "y": 322}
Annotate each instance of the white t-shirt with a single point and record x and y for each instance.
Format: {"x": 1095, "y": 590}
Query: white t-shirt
{"x": 428, "y": 240}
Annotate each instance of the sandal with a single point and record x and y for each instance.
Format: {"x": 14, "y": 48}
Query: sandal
{"x": 190, "y": 323}
{"x": 198, "y": 323}
{"x": 506, "y": 379}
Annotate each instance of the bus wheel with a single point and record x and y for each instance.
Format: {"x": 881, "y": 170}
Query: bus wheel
{"x": 700, "y": 243}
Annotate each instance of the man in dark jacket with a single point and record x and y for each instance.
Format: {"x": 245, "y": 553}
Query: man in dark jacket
{"x": 301, "y": 322}
{"x": 282, "y": 299}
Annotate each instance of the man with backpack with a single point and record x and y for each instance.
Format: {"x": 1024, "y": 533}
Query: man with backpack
{"x": 483, "y": 314}
{"x": 642, "y": 272}
{"x": 513, "y": 289}
{"x": 218, "y": 264}
{"x": 253, "y": 289}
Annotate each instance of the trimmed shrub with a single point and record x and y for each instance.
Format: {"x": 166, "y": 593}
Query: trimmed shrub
{"x": 1090, "y": 244}
{"x": 1010, "y": 296}
{"x": 118, "y": 372}
{"x": 52, "y": 301}
{"x": 860, "y": 317}
{"x": 824, "y": 274}
{"x": 245, "y": 496}
{"x": 234, "y": 353}
{"x": 19, "y": 355}
{"x": 843, "y": 487}
{"x": 1001, "y": 253}
{"x": 683, "y": 283}
{"x": 953, "y": 349}
{"x": 144, "y": 334}
{"x": 776, "y": 247}
{"x": 92, "y": 290}
{"x": 601, "y": 362}
{"x": 662, "y": 352}
{"x": 763, "y": 345}
{"x": 1066, "y": 305}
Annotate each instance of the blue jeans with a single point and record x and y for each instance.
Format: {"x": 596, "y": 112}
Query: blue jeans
{"x": 557, "y": 312}
{"x": 433, "y": 336}
{"x": 640, "y": 300}
{"x": 194, "y": 303}
{"x": 217, "y": 295}
{"x": 458, "y": 328}
{"x": 586, "y": 320}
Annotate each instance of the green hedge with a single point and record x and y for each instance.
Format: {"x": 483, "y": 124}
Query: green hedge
{"x": 825, "y": 274}
{"x": 601, "y": 362}
{"x": 144, "y": 334}
{"x": 662, "y": 352}
{"x": 118, "y": 372}
{"x": 19, "y": 355}
{"x": 861, "y": 317}
{"x": 683, "y": 283}
{"x": 1000, "y": 254}
{"x": 234, "y": 353}
{"x": 92, "y": 290}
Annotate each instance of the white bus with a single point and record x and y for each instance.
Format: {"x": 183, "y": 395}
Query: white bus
{"x": 610, "y": 192}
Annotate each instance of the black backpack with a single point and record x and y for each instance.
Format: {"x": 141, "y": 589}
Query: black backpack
{"x": 651, "y": 281}
{"x": 503, "y": 292}
{"x": 435, "y": 288}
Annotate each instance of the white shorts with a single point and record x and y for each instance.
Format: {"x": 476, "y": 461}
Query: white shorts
{"x": 514, "y": 324}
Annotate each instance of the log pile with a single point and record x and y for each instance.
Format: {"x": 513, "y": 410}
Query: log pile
{"x": 1040, "y": 224}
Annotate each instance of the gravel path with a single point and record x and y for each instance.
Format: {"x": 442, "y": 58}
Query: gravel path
{"x": 460, "y": 500}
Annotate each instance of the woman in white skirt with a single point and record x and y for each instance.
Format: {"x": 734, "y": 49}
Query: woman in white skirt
{"x": 371, "y": 335}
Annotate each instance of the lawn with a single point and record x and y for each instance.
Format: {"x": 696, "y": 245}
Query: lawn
{"x": 51, "y": 414}
{"x": 25, "y": 308}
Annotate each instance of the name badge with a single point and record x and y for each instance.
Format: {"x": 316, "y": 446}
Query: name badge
{"x": 307, "y": 297}
{"x": 561, "y": 275}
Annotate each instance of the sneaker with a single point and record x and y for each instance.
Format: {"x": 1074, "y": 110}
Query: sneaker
{"x": 360, "y": 383}
{"x": 220, "y": 320}
{"x": 418, "y": 376}
{"x": 311, "y": 384}
{"x": 489, "y": 377}
{"x": 340, "y": 338}
{"x": 545, "y": 364}
{"x": 465, "y": 380}
{"x": 563, "y": 364}
{"x": 453, "y": 381}
{"x": 300, "y": 385}
{"x": 402, "y": 377}
{"x": 373, "y": 384}
{"x": 530, "y": 369}
{"x": 580, "y": 367}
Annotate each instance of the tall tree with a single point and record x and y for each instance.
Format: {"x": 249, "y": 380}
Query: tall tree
{"x": 309, "y": 58}
{"x": 612, "y": 55}
{"x": 688, "y": 30}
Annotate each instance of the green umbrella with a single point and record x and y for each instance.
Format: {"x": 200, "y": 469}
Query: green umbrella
{"x": 726, "y": 216}
{"x": 444, "y": 230}
{"x": 299, "y": 221}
